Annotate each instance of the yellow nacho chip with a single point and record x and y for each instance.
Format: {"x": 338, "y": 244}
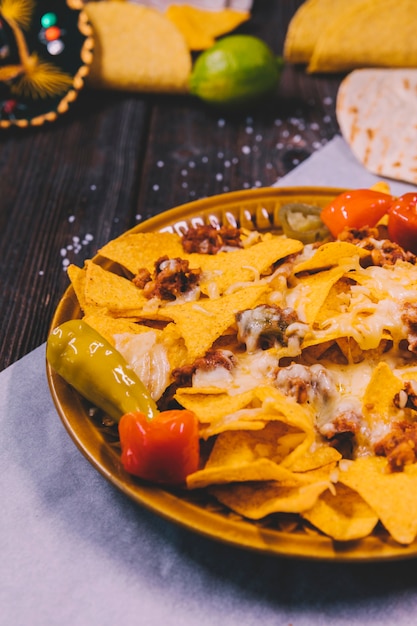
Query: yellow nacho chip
{"x": 257, "y": 500}
{"x": 261, "y": 469}
{"x": 200, "y": 27}
{"x": 390, "y": 494}
{"x": 76, "y": 276}
{"x": 201, "y": 323}
{"x": 313, "y": 290}
{"x": 331, "y": 254}
{"x": 110, "y": 326}
{"x": 320, "y": 456}
{"x": 213, "y": 406}
{"x": 342, "y": 515}
{"x": 135, "y": 251}
{"x": 241, "y": 456}
{"x": 115, "y": 293}
{"x": 231, "y": 270}
{"x": 378, "y": 401}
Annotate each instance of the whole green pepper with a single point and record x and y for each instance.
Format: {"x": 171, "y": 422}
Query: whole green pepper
{"x": 90, "y": 364}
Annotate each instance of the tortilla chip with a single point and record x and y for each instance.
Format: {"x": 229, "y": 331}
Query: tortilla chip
{"x": 200, "y": 27}
{"x": 322, "y": 456}
{"x": 262, "y": 469}
{"x": 343, "y": 515}
{"x": 390, "y": 495}
{"x": 241, "y": 456}
{"x": 135, "y": 251}
{"x": 314, "y": 290}
{"x": 217, "y": 407}
{"x": 201, "y": 323}
{"x": 137, "y": 48}
{"x": 115, "y": 293}
{"x": 174, "y": 345}
{"x": 381, "y": 134}
{"x": 256, "y": 500}
{"x": 76, "y": 276}
{"x": 108, "y": 327}
{"x": 331, "y": 254}
{"x": 231, "y": 270}
{"x": 361, "y": 36}
{"x": 378, "y": 401}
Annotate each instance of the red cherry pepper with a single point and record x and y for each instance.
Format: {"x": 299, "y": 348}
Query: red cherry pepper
{"x": 164, "y": 449}
{"x": 355, "y": 209}
{"x": 402, "y": 222}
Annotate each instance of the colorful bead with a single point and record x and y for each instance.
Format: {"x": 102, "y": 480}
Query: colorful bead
{"x": 52, "y": 33}
{"x": 48, "y": 19}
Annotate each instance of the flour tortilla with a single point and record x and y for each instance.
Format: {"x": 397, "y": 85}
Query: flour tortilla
{"x": 377, "y": 114}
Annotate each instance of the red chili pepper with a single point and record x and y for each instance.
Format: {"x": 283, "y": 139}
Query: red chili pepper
{"x": 356, "y": 209}
{"x": 164, "y": 449}
{"x": 402, "y": 222}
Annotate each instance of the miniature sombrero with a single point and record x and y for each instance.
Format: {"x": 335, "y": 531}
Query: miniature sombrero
{"x": 46, "y": 48}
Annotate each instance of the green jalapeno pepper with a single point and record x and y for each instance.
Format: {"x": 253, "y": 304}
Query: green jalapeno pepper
{"x": 303, "y": 222}
{"x": 90, "y": 364}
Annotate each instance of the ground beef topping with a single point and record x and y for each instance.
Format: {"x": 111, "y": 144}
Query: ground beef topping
{"x": 409, "y": 318}
{"x": 382, "y": 251}
{"x": 399, "y": 446}
{"x": 209, "y": 240}
{"x": 172, "y": 278}
{"x": 213, "y": 359}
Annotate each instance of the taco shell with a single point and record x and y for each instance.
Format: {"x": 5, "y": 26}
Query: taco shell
{"x": 137, "y": 49}
{"x": 338, "y": 36}
{"x": 308, "y": 23}
{"x": 377, "y": 114}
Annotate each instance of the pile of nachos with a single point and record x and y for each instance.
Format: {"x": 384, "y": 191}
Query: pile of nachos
{"x": 300, "y": 362}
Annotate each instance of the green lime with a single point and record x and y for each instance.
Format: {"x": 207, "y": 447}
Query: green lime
{"x": 238, "y": 69}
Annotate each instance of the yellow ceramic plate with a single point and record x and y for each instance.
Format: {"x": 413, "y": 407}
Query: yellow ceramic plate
{"x": 258, "y": 209}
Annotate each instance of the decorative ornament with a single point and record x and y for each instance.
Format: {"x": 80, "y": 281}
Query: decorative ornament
{"x": 46, "y": 48}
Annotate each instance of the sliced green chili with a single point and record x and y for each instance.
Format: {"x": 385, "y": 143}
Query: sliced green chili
{"x": 302, "y": 221}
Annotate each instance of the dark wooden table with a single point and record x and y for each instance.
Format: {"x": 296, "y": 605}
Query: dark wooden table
{"x": 115, "y": 159}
